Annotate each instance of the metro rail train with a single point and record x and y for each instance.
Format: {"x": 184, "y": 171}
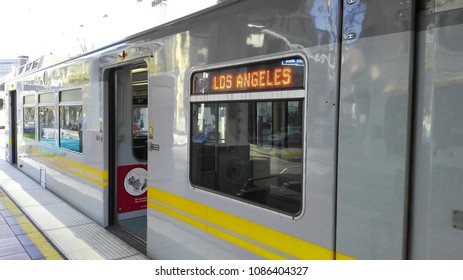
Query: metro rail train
{"x": 260, "y": 129}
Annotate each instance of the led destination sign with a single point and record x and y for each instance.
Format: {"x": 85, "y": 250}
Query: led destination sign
{"x": 280, "y": 74}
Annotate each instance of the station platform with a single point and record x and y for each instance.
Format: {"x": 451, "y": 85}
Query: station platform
{"x": 35, "y": 224}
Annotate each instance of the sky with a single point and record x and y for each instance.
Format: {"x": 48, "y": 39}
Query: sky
{"x": 38, "y": 27}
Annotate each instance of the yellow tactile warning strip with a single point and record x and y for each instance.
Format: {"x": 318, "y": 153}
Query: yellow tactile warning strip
{"x": 19, "y": 238}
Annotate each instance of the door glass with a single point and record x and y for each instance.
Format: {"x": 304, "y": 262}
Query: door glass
{"x": 140, "y": 113}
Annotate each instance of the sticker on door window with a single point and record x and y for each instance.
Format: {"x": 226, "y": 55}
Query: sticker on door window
{"x": 135, "y": 181}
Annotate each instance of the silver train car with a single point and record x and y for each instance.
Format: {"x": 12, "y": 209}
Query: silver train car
{"x": 260, "y": 129}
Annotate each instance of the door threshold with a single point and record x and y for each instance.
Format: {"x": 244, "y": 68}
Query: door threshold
{"x": 128, "y": 237}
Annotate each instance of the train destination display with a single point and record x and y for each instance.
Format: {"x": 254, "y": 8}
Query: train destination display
{"x": 278, "y": 74}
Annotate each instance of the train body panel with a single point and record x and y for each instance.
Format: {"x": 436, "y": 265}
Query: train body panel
{"x": 259, "y": 129}
{"x": 171, "y": 164}
{"x": 172, "y": 167}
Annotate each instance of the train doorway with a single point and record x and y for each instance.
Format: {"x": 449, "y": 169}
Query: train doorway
{"x": 11, "y": 129}
{"x": 128, "y": 153}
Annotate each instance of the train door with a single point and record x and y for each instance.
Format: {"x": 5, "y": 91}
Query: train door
{"x": 436, "y": 230}
{"x": 374, "y": 116}
{"x": 10, "y": 128}
{"x": 128, "y": 152}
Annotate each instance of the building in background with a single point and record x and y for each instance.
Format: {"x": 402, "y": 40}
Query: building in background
{"x": 6, "y": 67}
{"x": 9, "y": 64}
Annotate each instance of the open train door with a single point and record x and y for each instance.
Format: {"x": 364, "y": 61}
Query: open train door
{"x": 128, "y": 153}
{"x": 10, "y": 128}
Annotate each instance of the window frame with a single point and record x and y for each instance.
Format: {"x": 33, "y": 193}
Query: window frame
{"x": 139, "y": 101}
{"x": 66, "y": 104}
{"x": 247, "y": 97}
{"x": 43, "y": 104}
{"x": 30, "y": 104}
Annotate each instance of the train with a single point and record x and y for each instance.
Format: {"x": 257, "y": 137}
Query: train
{"x": 260, "y": 129}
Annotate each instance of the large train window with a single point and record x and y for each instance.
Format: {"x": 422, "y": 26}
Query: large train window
{"x": 29, "y": 117}
{"x": 70, "y": 123}
{"x": 47, "y": 118}
{"x": 245, "y": 147}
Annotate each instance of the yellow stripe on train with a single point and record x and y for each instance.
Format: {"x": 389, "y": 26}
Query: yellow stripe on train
{"x": 212, "y": 220}
{"x": 84, "y": 171}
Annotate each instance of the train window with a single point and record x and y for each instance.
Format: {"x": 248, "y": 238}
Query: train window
{"x": 46, "y": 98}
{"x": 29, "y": 117}
{"x": 74, "y": 95}
{"x": 140, "y": 113}
{"x": 70, "y": 120}
{"x": 140, "y": 133}
{"x": 47, "y": 118}
{"x": 249, "y": 150}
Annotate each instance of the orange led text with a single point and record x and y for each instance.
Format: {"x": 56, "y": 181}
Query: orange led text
{"x": 258, "y": 79}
